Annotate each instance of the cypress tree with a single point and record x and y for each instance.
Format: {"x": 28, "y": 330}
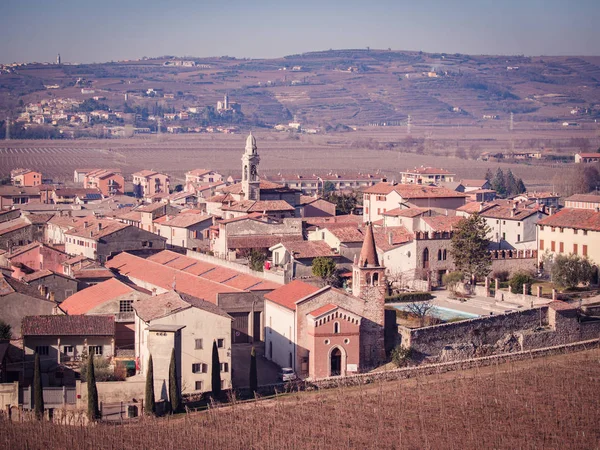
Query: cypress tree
{"x": 216, "y": 372}
{"x": 174, "y": 397}
{"x": 149, "y": 400}
{"x": 92, "y": 391}
{"x": 498, "y": 183}
{"x": 38, "y": 392}
{"x": 253, "y": 371}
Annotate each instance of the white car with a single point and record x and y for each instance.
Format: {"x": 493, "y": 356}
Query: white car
{"x": 287, "y": 374}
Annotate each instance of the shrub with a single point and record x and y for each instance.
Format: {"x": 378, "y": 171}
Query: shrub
{"x": 452, "y": 279}
{"x": 103, "y": 370}
{"x": 401, "y": 356}
{"x": 501, "y": 275}
{"x": 518, "y": 280}
{"x": 409, "y": 297}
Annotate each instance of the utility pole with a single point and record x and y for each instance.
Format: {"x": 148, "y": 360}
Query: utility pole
{"x": 7, "y": 135}
{"x": 408, "y": 125}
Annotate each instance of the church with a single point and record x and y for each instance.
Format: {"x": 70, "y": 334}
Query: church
{"x": 323, "y": 332}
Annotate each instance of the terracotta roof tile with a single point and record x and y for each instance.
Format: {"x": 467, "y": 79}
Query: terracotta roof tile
{"x": 405, "y": 212}
{"x": 443, "y": 223}
{"x": 266, "y": 241}
{"x": 83, "y": 301}
{"x": 581, "y": 219}
{"x": 585, "y": 198}
{"x": 398, "y": 235}
{"x": 347, "y": 234}
{"x": 323, "y": 310}
{"x": 68, "y": 326}
{"x": 290, "y": 293}
{"x": 172, "y": 302}
{"x": 309, "y": 249}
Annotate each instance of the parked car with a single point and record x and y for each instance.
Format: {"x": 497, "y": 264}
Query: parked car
{"x": 287, "y": 374}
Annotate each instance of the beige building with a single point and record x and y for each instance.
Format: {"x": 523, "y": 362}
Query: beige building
{"x": 385, "y": 196}
{"x": 426, "y": 175}
{"x": 570, "y": 230}
{"x": 188, "y": 325}
{"x": 147, "y": 183}
{"x": 203, "y": 176}
{"x": 583, "y": 201}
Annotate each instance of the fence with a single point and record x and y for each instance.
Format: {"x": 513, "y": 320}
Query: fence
{"x": 54, "y": 397}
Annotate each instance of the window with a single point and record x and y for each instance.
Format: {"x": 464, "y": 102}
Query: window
{"x": 221, "y": 343}
{"x": 575, "y": 249}
{"x": 553, "y": 246}
{"x": 541, "y": 227}
{"x": 585, "y": 232}
{"x": 518, "y": 237}
{"x": 574, "y": 231}
{"x": 561, "y": 247}
{"x": 224, "y": 367}
{"x": 562, "y": 230}
{"x": 336, "y": 327}
{"x": 199, "y": 344}
{"x": 95, "y": 350}
{"x": 144, "y": 243}
{"x": 541, "y": 244}
{"x": 126, "y": 306}
{"x": 68, "y": 349}
{"x": 518, "y": 224}
{"x": 584, "y": 250}
{"x": 199, "y": 368}
{"x": 270, "y": 324}
{"x": 223, "y": 384}
{"x": 439, "y": 255}
{"x": 42, "y": 350}
{"x": 198, "y": 385}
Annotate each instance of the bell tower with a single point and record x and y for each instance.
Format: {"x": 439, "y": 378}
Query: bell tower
{"x": 368, "y": 276}
{"x": 250, "y": 161}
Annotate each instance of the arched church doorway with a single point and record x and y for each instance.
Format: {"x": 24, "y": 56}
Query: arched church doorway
{"x": 336, "y": 362}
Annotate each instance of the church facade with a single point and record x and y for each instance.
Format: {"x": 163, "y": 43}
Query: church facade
{"x": 322, "y": 332}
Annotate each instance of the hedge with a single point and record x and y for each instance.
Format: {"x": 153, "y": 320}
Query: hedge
{"x": 408, "y": 297}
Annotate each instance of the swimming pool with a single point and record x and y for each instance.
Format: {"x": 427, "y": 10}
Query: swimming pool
{"x": 442, "y": 313}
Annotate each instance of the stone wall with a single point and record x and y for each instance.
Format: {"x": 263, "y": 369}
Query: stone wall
{"x": 113, "y": 391}
{"x": 514, "y": 265}
{"x": 517, "y": 331}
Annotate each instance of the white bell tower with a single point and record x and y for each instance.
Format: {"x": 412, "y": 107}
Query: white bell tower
{"x": 250, "y": 161}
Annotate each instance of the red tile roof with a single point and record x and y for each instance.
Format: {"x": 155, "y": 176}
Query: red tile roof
{"x": 83, "y": 301}
{"x": 399, "y": 236}
{"x": 191, "y": 276}
{"x": 323, "y": 310}
{"x": 427, "y": 171}
{"x": 410, "y": 191}
{"x": 368, "y": 252}
{"x": 97, "y": 228}
{"x": 507, "y": 212}
{"x": 68, "y": 326}
{"x": 309, "y": 249}
{"x": 581, "y": 219}
{"x": 186, "y": 220}
{"x": 172, "y": 302}
{"x": 347, "y": 234}
{"x": 585, "y": 198}
{"x": 404, "y": 212}
{"x": 443, "y": 223}
{"x": 473, "y": 183}
{"x": 289, "y": 294}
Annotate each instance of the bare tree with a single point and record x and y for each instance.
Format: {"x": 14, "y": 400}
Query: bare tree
{"x": 420, "y": 309}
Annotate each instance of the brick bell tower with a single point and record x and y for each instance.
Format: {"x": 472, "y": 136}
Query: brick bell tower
{"x": 369, "y": 284}
{"x": 368, "y": 276}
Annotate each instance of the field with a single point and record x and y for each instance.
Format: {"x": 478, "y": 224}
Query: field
{"x": 370, "y": 149}
{"x": 543, "y": 403}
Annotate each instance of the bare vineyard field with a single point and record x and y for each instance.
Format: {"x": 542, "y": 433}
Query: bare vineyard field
{"x": 543, "y": 403}
{"x": 367, "y": 150}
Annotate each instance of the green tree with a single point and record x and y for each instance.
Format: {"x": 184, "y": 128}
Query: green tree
{"x": 511, "y": 184}
{"x": 328, "y": 188}
{"x": 5, "y": 331}
{"x": 257, "y": 260}
{"x": 452, "y": 279}
{"x": 498, "y": 183}
{"x": 174, "y": 394}
{"x": 571, "y": 270}
{"x": 323, "y": 267}
{"x": 215, "y": 372}
{"x": 521, "y": 186}
{"x": 253, "y": 371}
{"x": 489, "y": 176}
{"x": 38, "y": 390}
{"x": 150, "y": 404}
{"x": 518, "y": 280}
{"x": 92, "y": 390}
{"x": 469, "y": 247}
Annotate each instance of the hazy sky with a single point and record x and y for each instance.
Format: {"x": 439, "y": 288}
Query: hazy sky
{"x": 105, "y": 30}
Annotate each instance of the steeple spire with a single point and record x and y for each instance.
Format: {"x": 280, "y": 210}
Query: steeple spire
{"x": 368, "y": 253}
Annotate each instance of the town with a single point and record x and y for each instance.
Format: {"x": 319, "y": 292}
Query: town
{"x": 303, "y": 278}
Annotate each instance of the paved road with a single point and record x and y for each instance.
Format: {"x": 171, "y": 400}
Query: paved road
{"x": 240, "y": 357}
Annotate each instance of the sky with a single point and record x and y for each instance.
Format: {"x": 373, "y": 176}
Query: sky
{"x": 87, "y": 31}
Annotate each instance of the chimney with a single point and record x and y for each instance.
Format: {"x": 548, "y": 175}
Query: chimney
{"x": 597, "y": 209}
{"x": 99, "y": 226}
{"x": 481, "y": 205}
{"x": 550, "y": 211}
{"x": 91, "y": 232}
{"x": 51, "y": 296}
{"x": 512, "y": 211}
{"x": 85, "y": 224}
{"x": 390, "y": 238}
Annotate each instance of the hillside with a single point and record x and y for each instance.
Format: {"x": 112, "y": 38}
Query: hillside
{"x": 542, "y": 403}
{"x": 351, "y": 87}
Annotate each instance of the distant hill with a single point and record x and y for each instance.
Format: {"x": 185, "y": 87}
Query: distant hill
{"x": 336, "y": 87}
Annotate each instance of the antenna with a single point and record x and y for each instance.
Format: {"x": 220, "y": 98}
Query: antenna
{"x": 408, "y": 125}
{"x": 512, "y": 122}
{"x": 7, "y": 135}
